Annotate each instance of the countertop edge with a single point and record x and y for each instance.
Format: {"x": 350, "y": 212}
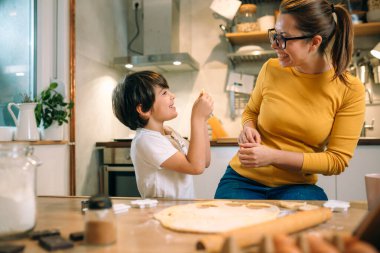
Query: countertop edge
{"x": 224, "y": 143}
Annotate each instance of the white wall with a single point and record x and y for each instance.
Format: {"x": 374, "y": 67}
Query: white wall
{"x": 97, "y": 39}
{"x": 53, "y": 174}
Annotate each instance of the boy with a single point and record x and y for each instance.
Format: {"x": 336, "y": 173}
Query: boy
{"x": 163, "y": 160}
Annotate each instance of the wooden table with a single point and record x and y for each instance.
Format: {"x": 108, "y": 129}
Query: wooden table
{"x": 137, "y": 231}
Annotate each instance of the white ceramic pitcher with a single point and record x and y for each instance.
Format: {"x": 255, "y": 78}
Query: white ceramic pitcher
{"x": 26, "y": 125}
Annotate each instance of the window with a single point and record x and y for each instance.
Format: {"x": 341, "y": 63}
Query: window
{"x": 17, "y": 54}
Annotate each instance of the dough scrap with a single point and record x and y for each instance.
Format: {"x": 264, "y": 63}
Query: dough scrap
{"x": 307, "y": 207}
{"x": 291, "y": 204}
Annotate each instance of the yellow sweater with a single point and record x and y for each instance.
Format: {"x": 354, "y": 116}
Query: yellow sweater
{"x": 306, "y": 113}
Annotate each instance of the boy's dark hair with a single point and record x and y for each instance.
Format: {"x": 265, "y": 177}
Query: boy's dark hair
{"x": 137, "y": 89}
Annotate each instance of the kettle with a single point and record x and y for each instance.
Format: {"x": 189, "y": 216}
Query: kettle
{"x": 26, "y": 125}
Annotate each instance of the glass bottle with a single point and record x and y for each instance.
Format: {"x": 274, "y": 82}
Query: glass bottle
{"x": 17, "y": 190}
{"x": 246, "y": 20}
{"x": 100, "y": 221}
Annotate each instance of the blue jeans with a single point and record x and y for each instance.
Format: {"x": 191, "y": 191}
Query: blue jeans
{"x": 234, "y": 186}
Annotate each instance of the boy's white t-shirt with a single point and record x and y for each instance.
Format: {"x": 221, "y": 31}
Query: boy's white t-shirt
{"x": 149, "y": 149}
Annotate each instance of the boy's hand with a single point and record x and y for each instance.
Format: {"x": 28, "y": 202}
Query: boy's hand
{"x": 203, "y": 106}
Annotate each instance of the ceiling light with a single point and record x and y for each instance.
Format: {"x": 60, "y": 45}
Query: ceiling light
{"x": 177, "y": 63}
{"x": 129, "y": 66}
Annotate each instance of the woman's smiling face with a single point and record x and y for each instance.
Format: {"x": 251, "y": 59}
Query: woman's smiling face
{"x": 297, "y": 51}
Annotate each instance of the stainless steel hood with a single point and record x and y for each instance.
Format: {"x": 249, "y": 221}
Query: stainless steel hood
{"x": 160, "y": 39}
{"x": 158, "y": 62}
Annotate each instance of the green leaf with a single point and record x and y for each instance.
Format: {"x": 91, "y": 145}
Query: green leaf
{"x": 52, "y": 107}
{"x": 53, "y": 86}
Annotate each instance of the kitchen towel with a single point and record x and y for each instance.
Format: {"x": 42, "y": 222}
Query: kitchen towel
{"x": 241, "y": 83}
{"x": 225, "y": 8}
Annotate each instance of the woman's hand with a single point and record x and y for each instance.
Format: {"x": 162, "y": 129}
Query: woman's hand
{"x": 249, "y": 135}
{"x": 255, "y": 155}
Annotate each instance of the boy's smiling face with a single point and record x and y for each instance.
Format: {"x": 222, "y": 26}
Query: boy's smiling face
{"x": 163, "y": 108}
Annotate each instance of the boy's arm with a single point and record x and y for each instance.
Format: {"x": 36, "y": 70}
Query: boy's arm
{"x": 198, "y": 156}
{"x": 196, "y": 160}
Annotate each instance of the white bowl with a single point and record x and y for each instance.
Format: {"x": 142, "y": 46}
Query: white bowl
{"x": 373, "y": 15}
{"x": 249, "y": 48}
{"x": 6, "y": 133}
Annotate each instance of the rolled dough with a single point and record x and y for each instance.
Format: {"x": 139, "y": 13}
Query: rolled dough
{"x": 215, "y": 216}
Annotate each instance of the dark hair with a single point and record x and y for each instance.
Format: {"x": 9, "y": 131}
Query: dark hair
{"x": 316, "y": 17}
{"x": 137, "y": 89}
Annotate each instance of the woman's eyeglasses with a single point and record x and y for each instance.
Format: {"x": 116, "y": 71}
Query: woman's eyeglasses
{"x": 281, "y": 40}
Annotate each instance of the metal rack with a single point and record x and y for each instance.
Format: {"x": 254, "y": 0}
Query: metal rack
{"x": 237, "y": 101}
{"x": 257, "y": 55}
{"x": 240, "y": 100}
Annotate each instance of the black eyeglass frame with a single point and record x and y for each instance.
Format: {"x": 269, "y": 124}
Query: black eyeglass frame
{"x": 285, "y": 39}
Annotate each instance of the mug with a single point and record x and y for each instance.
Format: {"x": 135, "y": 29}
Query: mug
{"x": 6, "y": 133}
{"x": 372, "y": 183}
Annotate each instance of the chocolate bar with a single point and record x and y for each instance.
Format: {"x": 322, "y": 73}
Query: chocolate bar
{"x": 36, "y": 235}
{"x": 55, "y": 242}
{"x": 11, "y": 248}
{"x": 76, "y": 236}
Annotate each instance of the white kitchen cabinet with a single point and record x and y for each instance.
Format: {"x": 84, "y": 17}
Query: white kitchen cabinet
{"x": 350, "y": 184}
{"x": 372, "y": 120}
{"x": 206, "y": 183}
{"x": 347, "y": 186}
{"x": 52, "y": 173}
{"x": 52, "y": 177}
{"x": 328, "y": 184}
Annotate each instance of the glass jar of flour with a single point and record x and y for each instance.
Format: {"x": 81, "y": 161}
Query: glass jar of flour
{"x": 17, "y": 189}
{"x": 245, "y": 18}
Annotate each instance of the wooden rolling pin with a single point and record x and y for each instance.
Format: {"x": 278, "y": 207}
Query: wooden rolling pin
{"x": 253, "y": 234}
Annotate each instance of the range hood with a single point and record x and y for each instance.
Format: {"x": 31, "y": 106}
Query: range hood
{"x": 159, "y": 62}
{"x": 159, "y": 40}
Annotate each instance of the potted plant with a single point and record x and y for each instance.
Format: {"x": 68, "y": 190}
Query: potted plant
{"x": 51, "y": 112}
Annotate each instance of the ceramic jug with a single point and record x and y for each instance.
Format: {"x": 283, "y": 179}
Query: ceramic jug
{"x": 26, "y": 125}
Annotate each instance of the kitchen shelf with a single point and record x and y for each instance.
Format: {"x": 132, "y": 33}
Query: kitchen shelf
{"x": 237, "y": 58}
{"x": 247, "y": 38}
{"x": 259, "y": 36}
{"x": 37, "y": 142}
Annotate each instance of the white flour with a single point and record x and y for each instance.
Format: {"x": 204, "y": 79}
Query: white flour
{"x": 17, "y": 200}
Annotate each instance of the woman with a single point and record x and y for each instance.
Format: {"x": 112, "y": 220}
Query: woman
{"x": 306, "y": 112}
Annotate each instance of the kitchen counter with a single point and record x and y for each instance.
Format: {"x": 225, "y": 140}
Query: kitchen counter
{"x": 223, "y": 142}
{"x": 233, "y": 141}
{"x": 137, "y": 231}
